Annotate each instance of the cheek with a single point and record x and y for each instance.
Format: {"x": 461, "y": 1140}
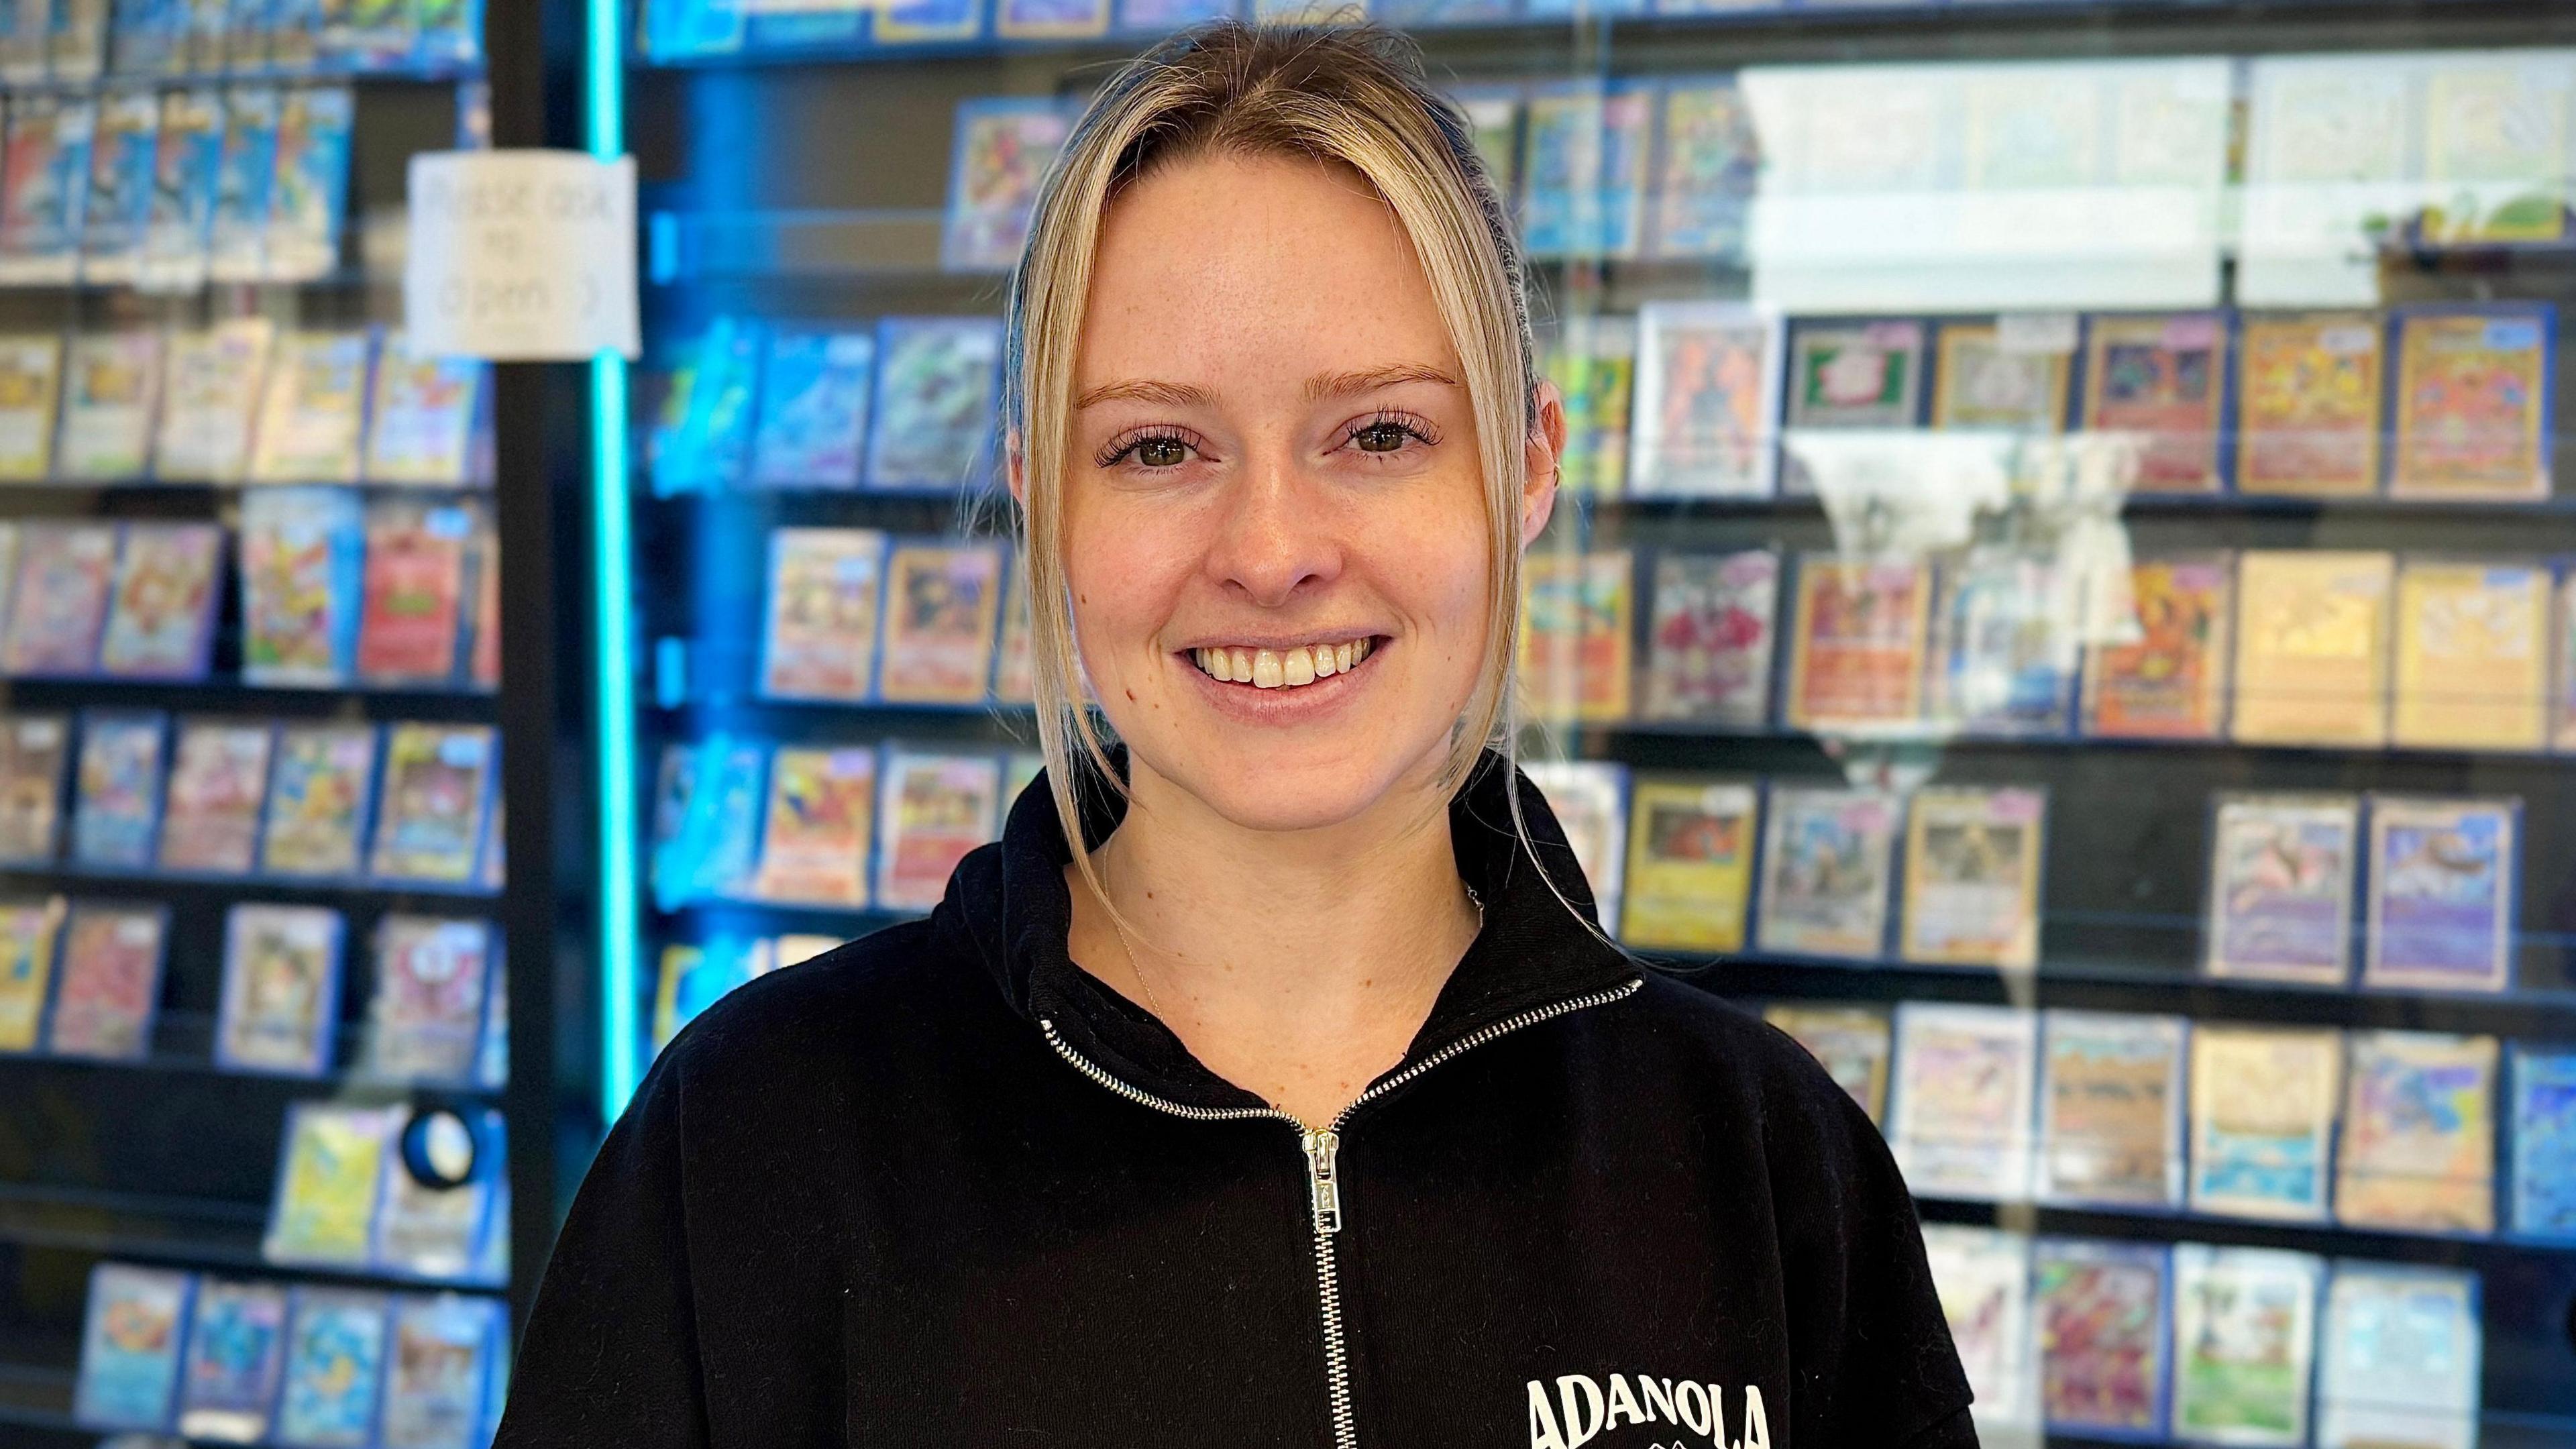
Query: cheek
{"x": 1437, "y": 567}
{"x": 1125, "y": 579}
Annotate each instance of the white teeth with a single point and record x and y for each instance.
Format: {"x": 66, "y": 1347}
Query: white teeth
{"x": 1279, "y": 668}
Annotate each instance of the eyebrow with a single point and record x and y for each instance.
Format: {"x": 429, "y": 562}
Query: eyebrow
{"x": 1318, "y": 388}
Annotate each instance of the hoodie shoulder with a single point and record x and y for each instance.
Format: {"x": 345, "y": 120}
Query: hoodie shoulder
{"x": 855, "y": 1002}
{"x": 1723, "y": 1048}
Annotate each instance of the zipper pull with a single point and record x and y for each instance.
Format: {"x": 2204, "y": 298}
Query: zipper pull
{"x": 1321, "y": 1188}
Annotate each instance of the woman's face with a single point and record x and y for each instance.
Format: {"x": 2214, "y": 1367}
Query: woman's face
{"x": 1274, "y": 512}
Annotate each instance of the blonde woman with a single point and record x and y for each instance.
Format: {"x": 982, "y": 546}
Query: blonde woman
{"x": 1303, "y": 1105}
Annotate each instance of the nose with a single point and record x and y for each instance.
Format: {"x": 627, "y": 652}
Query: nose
{"x": 1278, "y": 535}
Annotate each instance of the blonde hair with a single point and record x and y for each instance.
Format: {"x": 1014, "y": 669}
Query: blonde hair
{"x": 1353, "y": 96}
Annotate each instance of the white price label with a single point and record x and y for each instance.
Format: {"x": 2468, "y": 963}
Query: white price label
{"x": 2035, "y": 332}
{"x": 521, "y": 256}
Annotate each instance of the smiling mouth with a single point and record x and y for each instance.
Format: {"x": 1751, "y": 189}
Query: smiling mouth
{"x": 1282, "y": 668}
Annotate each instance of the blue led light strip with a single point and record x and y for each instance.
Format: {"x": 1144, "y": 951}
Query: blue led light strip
{"x": 612, "y": 569}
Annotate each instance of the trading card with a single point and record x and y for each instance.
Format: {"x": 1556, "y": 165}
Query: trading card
{"x": 427, "y": 1017}
{"x": 118, "y": 809}
{"x": 313, "y": 410}
{"x": 1983, "y": 1279}
{"x": 1590, "y": 801}
{"x": 1857, "y": 642}
{"x": 2444, "y": 875}
{"x": 2281, "y": 873}
{"x": 2169, "y": 681}
{"x": 302, "y": 556}
{"x": 813, "y": 427}
{"x": 2262, "y": 1120}
{"x": 27, "y": 938}
{"x": 1827, "y": 857}
{"x": 2472, "y": 403}
{"x": 210, "y": 396}
{"x": 110, "y": 987}
{"x": 1690, "y": 864}
{"x": 129, "y": 1364}
{"x": 111, "y": 384}
{"x": 2004, "y": 644}
{"x": 2312, "y": 629}
{"x": 66, "y": 574}
{"x": 2418, "y": 1133}
{"x": 335, "y": 1368}
{"x": 437, "y": 792}
{"x": 2244, "y": 1330}
{"x": 931, "y": 424}
{"x": 2472, "y": 646}
{"x": 2544, "y": 1142}
{"x": 825, "y": 587}
{"x": 1708, "y": 168}
{"x": 422, "y": 427}
{"x": 819, "y": 825}
{"x": 1960, "y": 1120}
{"x": 330, "y": 1170}
{"x": 2111, "y": 1108}
{"x": 411, "y": 622}
{"x": 1987, "y": 380}
{"x": 1972, "y": 866}
{"x": 161, "y": 612}
{"x": 1860, "y": 374}
{"x": 1709, "y": 641}
{"x": 1004, "y": 146}
{"x": 236, "y": 1354}
{"x": 217, "y": 782}
{"x": 2309, "y": 389}
{"x": 936, "y": 808}
{"x": 34, "y": 748}
{"x": 1707, "y": 401}
{"x": 31, "y": 375}
{"x": 2161, "y": 380}
{"x": 2398, "y": 1359}
{"x": 942, "y": 609}
{"x": 281, "y": 992}
{"x": 1576, "y": 623}
{"x": 2099, "y": 1312}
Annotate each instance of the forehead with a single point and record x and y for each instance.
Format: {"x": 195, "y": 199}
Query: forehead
{"x": 1230, "y": 266}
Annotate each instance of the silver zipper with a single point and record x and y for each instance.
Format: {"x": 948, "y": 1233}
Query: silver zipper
{"x": 1322, "y": 1148}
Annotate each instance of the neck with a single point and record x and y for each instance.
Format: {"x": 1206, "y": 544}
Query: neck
{"x": 1298, "y": 965}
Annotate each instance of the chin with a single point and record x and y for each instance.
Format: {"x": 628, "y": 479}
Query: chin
{"x": 1281, "y": 787}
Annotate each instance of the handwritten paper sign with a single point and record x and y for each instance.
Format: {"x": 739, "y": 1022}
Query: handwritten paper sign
{"x": 521, "y": 256}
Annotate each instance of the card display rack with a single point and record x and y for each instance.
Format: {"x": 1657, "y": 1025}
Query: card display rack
{"x": 1851, "y": 286}
{"x": 160, "y": 1158}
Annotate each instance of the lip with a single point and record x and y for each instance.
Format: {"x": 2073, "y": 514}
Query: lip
{"x": 1281, "y": 642}
{"x": 1301, "y": 705}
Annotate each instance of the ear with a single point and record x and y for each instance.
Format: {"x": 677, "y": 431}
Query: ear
{"x": 1546, "y": 452}
{"x": 1015, "y": 468}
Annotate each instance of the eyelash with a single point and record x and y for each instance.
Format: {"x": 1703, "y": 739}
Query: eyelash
{"x": 1122, "y": 449}
{"x": 1417, "y": 428}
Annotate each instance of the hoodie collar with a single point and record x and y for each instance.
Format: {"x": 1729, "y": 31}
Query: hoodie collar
{"x": 1009, "y": 907}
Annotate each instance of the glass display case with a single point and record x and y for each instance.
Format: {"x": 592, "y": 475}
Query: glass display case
{"x": 2061, "y": 600}
{"x": 256, "y": 1108}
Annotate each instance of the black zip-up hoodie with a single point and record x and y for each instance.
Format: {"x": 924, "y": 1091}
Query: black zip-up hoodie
{"x": 941, "y": 1187}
